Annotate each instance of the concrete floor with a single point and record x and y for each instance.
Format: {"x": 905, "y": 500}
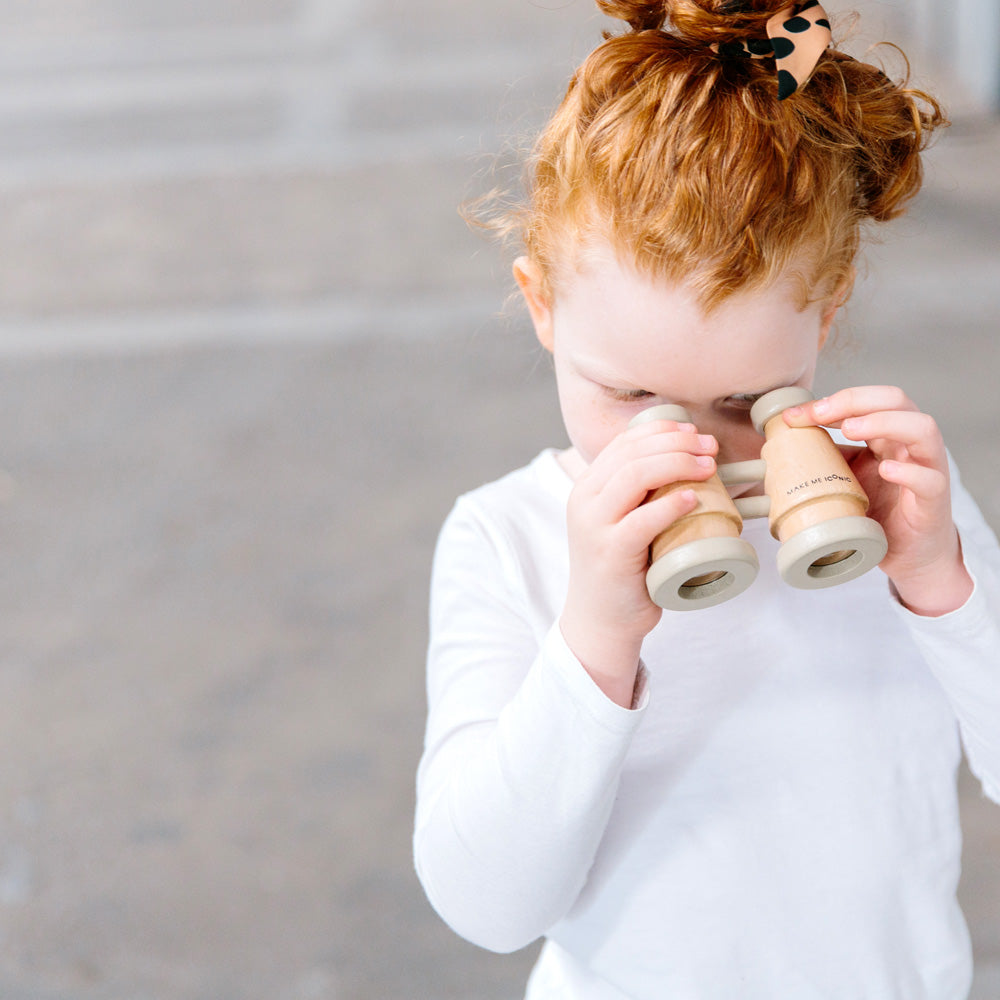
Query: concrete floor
{"x": 249, "y": 354}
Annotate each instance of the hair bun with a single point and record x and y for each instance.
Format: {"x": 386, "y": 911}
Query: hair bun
{"x": 695, "y": 20}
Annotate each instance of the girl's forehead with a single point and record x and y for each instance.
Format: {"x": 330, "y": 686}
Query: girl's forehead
{"x": 612, "y": 313}
{"x": 599, "y": 272}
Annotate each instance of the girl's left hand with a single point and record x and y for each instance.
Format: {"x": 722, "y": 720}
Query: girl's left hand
{"x": 904, "y": 471}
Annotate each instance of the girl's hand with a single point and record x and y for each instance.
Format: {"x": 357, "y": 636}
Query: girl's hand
{"x": 904, "y": 471}
{"x": 608, "y": 611}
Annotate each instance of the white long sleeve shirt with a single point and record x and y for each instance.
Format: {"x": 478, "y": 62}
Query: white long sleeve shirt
{"x": 775, "y": 818}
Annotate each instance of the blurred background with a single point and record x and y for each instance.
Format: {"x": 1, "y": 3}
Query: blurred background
{"x": 249, "y": 355}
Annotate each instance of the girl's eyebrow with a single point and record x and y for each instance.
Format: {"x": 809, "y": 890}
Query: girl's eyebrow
{"x": 601, "y": 371}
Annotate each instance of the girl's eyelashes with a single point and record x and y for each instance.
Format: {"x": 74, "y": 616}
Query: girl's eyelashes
{"x": 743, "y": 400}
{"x": 627, "y": 395}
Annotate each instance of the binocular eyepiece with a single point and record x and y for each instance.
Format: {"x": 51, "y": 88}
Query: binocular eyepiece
{"x": 815, "y": 507}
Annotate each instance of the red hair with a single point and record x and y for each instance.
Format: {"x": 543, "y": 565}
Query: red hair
{"x": 688, "y": 165}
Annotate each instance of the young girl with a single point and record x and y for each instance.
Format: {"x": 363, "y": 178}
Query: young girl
{"x": 756, "y": 800}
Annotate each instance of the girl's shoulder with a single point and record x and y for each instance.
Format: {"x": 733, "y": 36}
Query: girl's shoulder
{"x": 513, "y": 512}
{"x": 540, "y": 486}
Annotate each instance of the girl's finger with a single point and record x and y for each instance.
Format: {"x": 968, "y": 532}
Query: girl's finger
{"x": 883, "y": 448}
{"x": 644, "y": 441}
{"x": 642, "y": 525}
{"x": 927, "y": 484}
{"x": 860, "y": 400}
{"x": 914, "y": 430}
{"x": 630, "y": 486}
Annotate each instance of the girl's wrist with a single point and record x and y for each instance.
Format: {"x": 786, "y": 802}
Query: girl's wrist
{"x": 937, "y": 590}
{"x": 613, "y": 666}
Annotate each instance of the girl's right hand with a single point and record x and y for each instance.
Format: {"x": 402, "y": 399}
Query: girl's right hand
{"x": 608, "y": 611}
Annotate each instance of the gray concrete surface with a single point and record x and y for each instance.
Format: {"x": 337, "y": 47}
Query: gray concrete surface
{"x": 248, "y": 356}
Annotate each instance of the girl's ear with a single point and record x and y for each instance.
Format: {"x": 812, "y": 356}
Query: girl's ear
{"x": 839, "y": 297}
{"x": 528, "y": 276}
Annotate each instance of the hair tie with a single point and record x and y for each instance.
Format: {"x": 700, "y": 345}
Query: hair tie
{"x": 796, "y": 38}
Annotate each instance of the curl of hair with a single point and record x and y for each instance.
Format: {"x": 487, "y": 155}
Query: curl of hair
{"x": 688, "y": 165}
{"x": 697, "y": 20}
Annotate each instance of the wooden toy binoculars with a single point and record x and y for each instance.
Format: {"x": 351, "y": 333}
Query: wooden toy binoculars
{"x": 815, "y": 506}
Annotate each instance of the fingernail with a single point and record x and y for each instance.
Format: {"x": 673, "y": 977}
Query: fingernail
{"x": 850, "y": 427}
{"x": 794, "y": 411}
{"x": 686, "y": 427}
{"x": 821, "y": 406}
{"x": 706, "y": 440}
{"x": 705, "y": 460}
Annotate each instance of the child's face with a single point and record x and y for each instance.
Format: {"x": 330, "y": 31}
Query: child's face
{"x": 622, "y": 342}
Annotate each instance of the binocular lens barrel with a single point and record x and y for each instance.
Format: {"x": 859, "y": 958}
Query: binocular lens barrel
{"x": 815, "y": 506}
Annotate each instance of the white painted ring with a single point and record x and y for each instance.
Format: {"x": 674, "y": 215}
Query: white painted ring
{"x": 862, "y": 537}
{"x": 667, "y": 580}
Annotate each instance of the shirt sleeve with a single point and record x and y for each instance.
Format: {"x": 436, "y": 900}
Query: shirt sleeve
{"x": 962, "y": 648}
{"x": 522, "y": 753}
